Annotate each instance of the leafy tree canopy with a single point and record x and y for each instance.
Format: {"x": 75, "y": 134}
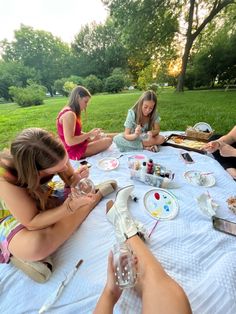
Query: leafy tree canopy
{"x": 98, "y": 50}
{"x": 39, "y": 50}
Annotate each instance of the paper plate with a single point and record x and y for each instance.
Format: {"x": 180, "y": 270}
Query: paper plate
{"x": 198, "y": 178}
{"x": 108, "y": 163}
{"x": 202, "y": 126}
{"x": 161, "y": 204}
{"x": 139, "y": 157}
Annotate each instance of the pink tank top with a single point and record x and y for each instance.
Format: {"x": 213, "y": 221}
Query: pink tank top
{"x": 75, "y": 152}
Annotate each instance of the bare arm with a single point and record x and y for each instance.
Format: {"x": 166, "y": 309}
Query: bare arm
{"x": 155, "y": 131}
{"x": 24, "y": 209}
{"x": 111, "y": 292}
{"x": 222, "y": 144}
{"x": 229, "y": 138}
{"x": 71, "y": 177}
{"x": 69, "y": 124}
{"x": 132, "y": 136}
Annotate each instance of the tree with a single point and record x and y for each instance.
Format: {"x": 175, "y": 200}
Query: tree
{"x": 216, "y": 61}
{"x": 14, "y": 74}
{"x": 148, "y": 28}
{"x": 93, "y": 84}
{"x": 194, "y": 28}
{"x": 40, "y": 50}
{"x": 32, "y": 95}
{"x": 98, "y": 50}
{"x": 114, "y": 83}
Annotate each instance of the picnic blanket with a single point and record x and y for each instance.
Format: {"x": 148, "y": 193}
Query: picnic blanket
{"x": 199, "y": 258}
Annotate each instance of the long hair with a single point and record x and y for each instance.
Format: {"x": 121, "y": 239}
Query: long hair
{"x": 34, "y": 149}
{"x": 137, "y": 108}
{"x": 77, "y": 93}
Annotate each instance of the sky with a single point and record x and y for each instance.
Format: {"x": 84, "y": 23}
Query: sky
{"x": 62, "y": 18}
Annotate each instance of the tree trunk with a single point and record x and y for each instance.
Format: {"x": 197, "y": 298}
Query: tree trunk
{"x": 180, "y": 84}
{"x": 190, "y": 37}
{"x": 187, "y": 48}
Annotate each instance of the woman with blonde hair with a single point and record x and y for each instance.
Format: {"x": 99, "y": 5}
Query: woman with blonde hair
{"x": 34, "y": 223}
{"x": 142, "y": 126}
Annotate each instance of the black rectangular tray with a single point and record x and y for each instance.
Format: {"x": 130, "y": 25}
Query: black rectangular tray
{"x": 182, "y": 146}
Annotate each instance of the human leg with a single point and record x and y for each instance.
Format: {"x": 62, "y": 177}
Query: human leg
{"x": 119, "y": 216}
{"x": 97, "y": 146}
{"x": 153, "y": 280}
{"x": 154, "y": 140}
{"x": 125, "y": 145}
{"x": 37, "y": 244}
{"x": 232, "y": 172}
{"x": 111, "y": 135}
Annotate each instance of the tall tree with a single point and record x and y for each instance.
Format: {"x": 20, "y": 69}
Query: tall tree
{"x": 195, "y": 9}
{"x": 98, "y": 50}
{"x": 150, "y": 27}
{"x": 39, "y": 50}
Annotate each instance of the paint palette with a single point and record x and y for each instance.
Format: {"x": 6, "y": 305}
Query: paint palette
{"x": 161, "y": 204}
{"x": 108, "y": 163}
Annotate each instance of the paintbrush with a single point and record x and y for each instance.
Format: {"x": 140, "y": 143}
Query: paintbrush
{"x": 55, "y": 296}
{"x": 154, "y": 227}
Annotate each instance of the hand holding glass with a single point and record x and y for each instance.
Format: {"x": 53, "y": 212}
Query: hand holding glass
{"x": 144, "y": 136}
{"x": 124, "y": 266}
{"x": 85, "y": 186}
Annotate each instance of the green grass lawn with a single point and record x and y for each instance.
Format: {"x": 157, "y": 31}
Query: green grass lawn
{"x": 177, "y": 111}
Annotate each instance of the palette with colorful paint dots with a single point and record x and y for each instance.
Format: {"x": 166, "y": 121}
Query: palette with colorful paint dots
{"x": 108, "y": 163}
{"x": 161, "y": 204}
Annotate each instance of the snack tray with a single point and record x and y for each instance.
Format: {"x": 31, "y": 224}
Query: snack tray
{"x": 185, "y": 142}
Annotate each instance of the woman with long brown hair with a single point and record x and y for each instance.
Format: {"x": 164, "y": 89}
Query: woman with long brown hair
{"x": 33, "y": 223}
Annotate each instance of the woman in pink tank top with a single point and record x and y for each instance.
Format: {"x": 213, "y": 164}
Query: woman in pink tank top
{"x": 69, "y": 127}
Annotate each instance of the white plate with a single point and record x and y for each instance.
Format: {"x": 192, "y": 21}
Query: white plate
{"x": 202, "y": 126}
{"x": 139, "y": 157}
{"x": 161, "y": 204}
{"x": 108, "y": 163}
{"x": 198, "y": 178}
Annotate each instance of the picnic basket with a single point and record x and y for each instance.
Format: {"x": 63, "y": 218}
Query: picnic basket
{"x": 191, "y": 132}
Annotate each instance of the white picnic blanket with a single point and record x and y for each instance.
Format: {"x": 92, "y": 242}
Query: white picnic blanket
{"x": 201, "y": 259}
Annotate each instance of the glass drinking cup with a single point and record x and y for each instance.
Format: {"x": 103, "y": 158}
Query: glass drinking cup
{"x": 124, "y": 266}
{"x": 85, "y": 186}
{"x": 143, "y": 136}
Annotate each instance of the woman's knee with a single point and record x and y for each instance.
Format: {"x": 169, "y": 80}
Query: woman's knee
{"x": 232, "y": 172}
{"x": 108, "y": 141}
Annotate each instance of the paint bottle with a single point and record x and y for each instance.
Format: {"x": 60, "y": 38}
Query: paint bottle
{"x": 143, "y": 171}
{"x": 150, "y": 166}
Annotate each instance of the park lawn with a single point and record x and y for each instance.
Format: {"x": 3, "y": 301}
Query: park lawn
{"x": 108, "y": 111}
